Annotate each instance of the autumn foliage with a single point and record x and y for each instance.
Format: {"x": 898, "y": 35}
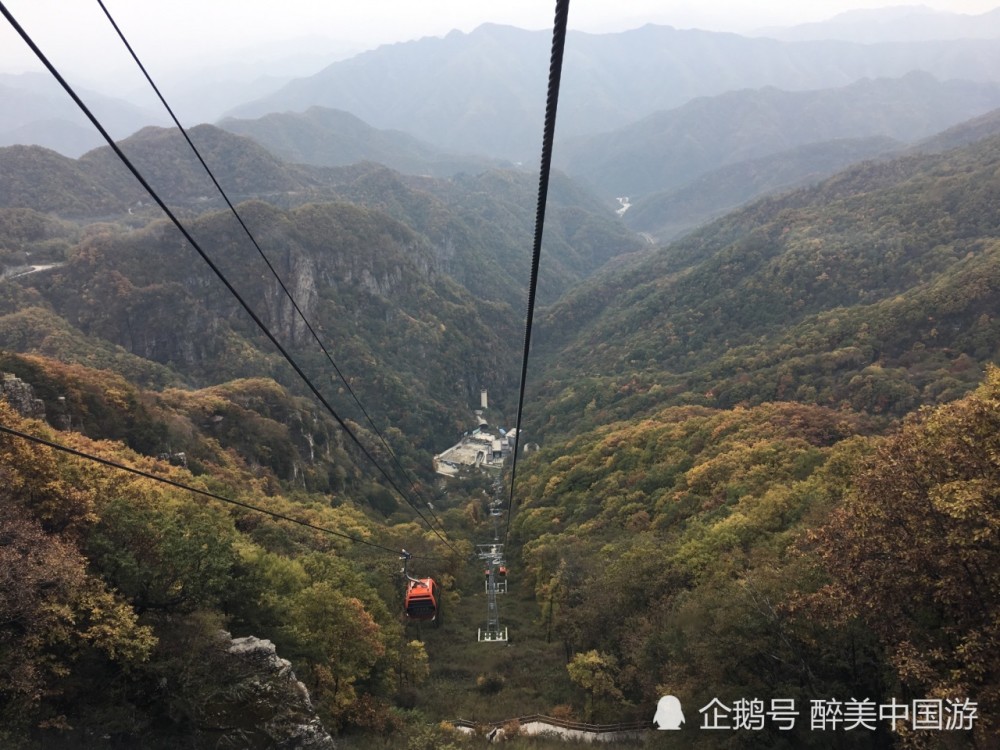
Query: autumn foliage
{"x": 914, "y": 551}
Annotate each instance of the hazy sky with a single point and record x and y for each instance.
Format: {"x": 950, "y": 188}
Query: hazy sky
{"x": 188, "y": 32}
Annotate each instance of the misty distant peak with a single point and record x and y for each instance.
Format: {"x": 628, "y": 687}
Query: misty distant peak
{"x": 903, "y": 23}
{"x": 891, "y": 13}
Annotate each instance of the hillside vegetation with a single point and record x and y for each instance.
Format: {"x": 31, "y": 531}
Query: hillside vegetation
{"x": 480, "y": 225}
{"x": 367, "y": 282}
{"x": 875, "y": 289}
{"x": 773, "y": 552}
{"x": 669, "y": 214}
{"x": 115, "y": 580}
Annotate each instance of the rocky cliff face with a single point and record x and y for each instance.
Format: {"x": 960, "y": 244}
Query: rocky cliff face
{"x": 21, "y": 397}
{"x": 263, "y": 704}
{"x": 371, "y": 288}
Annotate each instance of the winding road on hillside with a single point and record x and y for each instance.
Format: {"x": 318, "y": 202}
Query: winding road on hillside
{"x": 18, "y": 271}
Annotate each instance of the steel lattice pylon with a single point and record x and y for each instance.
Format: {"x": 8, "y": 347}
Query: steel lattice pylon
{"x": 493, "y": 555}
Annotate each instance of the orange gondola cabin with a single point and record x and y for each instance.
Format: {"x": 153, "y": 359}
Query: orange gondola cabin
{"x": 422, "y": 601}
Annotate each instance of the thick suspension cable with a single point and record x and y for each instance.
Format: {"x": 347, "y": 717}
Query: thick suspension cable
{"x": 215, "y": 269}
{"x": 188, "y": 488}
{"x": 263, "y": 255}
{"x": 548, "y": 136}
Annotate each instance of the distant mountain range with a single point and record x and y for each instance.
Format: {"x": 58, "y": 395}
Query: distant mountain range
{"x": 35, "y": 110}
{"x": 687, "y": 124}
{"x": 681, "y": 167}
{"x": 907, "y": 23}
{"x": 667, "y": 214}
{"x": 209, "y": 88}
{"x": 669, "y": 149}
{"x": 483, "y": 92}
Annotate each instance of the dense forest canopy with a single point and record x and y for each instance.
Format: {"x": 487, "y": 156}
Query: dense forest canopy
{"x": 875, "y": 289}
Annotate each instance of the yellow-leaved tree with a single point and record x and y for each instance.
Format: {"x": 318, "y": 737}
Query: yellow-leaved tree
{"x": 595, "y": 673}
{"x": 53, "y": 609}
{"x": 915, "y": 552}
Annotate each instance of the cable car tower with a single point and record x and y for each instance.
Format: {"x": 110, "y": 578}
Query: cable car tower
{"x": 496, "y": 569}
{"x": 492, "y": 555}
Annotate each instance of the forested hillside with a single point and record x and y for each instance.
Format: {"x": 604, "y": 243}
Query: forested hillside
{"x": 478, "y": 224}
{"x": 367, "y": 282}
{"x": 725, "y": 505}
{"x": 35, "y": 110}
{"x": 116, "y": 580}
{"x": 875, "y": 289}
{"x": 773, "y": 552}
{"x": 668, "y": 214}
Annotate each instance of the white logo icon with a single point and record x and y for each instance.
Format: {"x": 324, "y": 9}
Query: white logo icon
{"x": 668, "y": 713}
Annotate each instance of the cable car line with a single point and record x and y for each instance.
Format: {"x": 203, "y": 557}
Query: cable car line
{"x": 187, "y": 235}
{"x": 548, "y": 136}
{"x": 260, "y": 251}
{"x": 493, "y": 554}
{"x": 194, "y": 490}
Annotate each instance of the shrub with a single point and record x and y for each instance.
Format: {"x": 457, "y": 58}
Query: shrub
{"x": 490, "y": 683}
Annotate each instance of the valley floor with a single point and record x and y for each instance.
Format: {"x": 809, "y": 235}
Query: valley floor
{"x": 527, "y": 673}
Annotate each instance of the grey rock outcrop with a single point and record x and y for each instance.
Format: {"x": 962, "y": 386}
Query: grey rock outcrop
{"x": 21, "y": 397}
{"x": 263, "y": 705}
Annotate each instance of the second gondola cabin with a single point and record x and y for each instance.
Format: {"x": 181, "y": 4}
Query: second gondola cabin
{"x": 422, "y": 600}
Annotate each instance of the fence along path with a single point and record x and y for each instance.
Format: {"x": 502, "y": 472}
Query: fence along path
{"x": 571, "y": 730}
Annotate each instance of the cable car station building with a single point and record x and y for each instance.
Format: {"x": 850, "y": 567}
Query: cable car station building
{"x": 484, "y": 449}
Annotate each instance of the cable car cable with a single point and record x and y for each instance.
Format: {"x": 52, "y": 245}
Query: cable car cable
{"x": 187, "y": 235}
{"x": 194, "y": 490}
{"x": 260, "y": 251}
{"x": 548, "y": 135}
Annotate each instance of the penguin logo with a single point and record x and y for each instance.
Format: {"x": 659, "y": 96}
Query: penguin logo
{"x": 668, "y": 713}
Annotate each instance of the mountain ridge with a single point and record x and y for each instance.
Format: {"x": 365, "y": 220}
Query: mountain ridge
{"x": 893, "y": 24}
{"x": 669, "y": 148}
{"x": 668, "y": 214}
{"x": 495, "y": 69}
{"x": 34, "y": 105}
{"x": 334, "y": 138}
